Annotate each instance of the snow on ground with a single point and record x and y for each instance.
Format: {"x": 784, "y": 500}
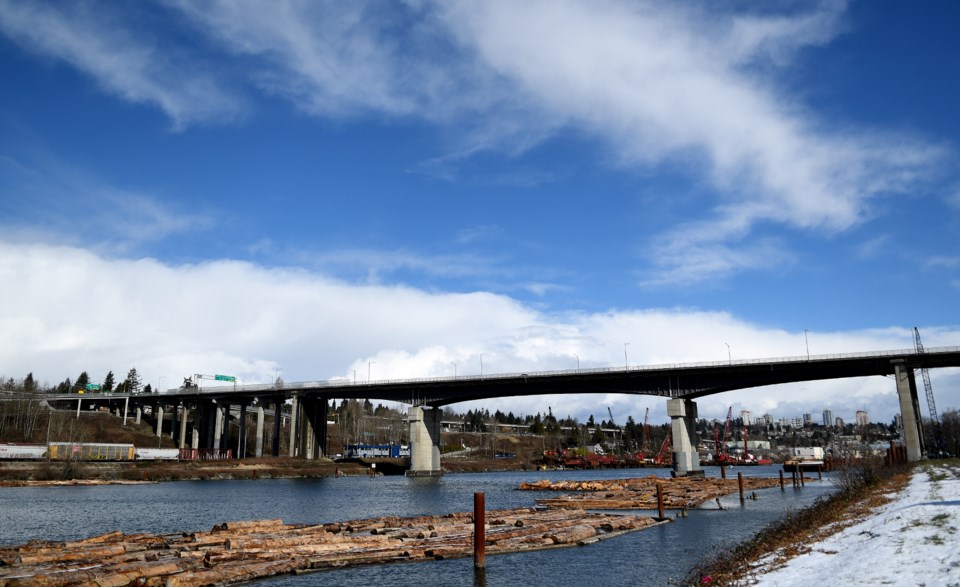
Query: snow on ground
{"x": 913, "y": 540}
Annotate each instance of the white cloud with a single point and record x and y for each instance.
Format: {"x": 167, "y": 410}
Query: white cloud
{"x": 129, "y": 64}
{"x": 71, "y": 310}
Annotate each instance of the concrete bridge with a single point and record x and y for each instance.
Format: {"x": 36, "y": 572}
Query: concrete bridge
{"x": 680, "y": 384}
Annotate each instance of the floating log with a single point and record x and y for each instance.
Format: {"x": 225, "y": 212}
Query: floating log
{"x": 641, "y": 493}
{"x": 242, "y": 551}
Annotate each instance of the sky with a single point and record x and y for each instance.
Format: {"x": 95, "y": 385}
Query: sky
{"x": 371, "y": 190}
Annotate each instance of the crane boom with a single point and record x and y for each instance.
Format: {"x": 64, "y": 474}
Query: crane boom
{"x": 726, "y": 428}
{"x": 931, "y": 404}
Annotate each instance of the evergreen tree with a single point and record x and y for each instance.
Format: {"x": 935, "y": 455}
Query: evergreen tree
{"x": 108, "y": 382}
{"x": 28, "y": 385}
{"x": 132, "y": 383}
{"x": 148, "y": 389}
{"x": 82, "y": 381}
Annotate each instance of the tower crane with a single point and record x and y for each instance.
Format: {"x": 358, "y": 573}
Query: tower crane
{"x": 931, "y": 404}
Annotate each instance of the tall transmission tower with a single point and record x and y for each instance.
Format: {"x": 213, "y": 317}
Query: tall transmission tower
{"x": 926, "y": 380}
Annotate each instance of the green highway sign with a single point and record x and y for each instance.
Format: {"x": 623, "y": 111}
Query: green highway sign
{"x": 93, "y": 387}
{"x": 224, "y": 378}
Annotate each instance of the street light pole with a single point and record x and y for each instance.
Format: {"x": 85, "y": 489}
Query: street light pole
{"x": 368, "y": 370}
{"x": 626, "y": 362}
{"x": 807, "y": 341}
{"x": 481, "y": 365}
{"x": 578, "y": 360}
{"x": 729, "y": 356}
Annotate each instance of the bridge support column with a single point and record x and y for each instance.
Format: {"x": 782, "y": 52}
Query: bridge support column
{"x": 910, "y": 412}
{"x": 158, "y": 412}
{"x": 683, "y": 420}
{"x": 258, "y": 451}
{"x": 184, "y": 416}
{"x": 424, "y": 442}
{"x": 139, "y": 413}
{"x": 173, "y": 422}
{"x": 294, "y": 408}
{"x": 225, "y": 427}
{"x": 313, "y": 427}
{"x": 242, "y": 434}
{"x": 217, "y": 427}
{"x": 277, "y": 421}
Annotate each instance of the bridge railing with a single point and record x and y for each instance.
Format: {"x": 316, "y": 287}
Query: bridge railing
{"x": 344, "y": 382}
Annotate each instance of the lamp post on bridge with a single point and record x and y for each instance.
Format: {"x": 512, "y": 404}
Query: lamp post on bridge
{"x": 368, "y": 369}
{"x": 807, "y": 342}
{"x": 729, "y": 356}
{"x": 454, "y": 363}
{"x": 626, "y": 362}
{"x": 578, "y": 360}
{"x": 481, "y": 365}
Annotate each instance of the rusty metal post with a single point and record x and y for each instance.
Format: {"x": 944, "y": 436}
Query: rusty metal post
{"x": 479, "y": 533}
{"x": 781, "y": 481}
{"x": 740, "y": 484}
{"x": 723, "y": 471}
{"x": 820, "y": 472}
{"x": 660, "y": 501}
{"x": 803, "y": 481}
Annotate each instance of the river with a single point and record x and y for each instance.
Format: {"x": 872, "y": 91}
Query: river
{"x": 656, "y": 556}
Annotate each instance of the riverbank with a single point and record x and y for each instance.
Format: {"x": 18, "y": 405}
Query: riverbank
{"x": 901, "y": 529}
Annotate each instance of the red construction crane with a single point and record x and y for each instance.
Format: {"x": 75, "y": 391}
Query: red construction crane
{"x": 726, "y": 429}
{"x": 663, "y": 451}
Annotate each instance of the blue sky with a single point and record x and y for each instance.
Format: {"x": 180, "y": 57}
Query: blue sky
{"x": 327, "y": 188}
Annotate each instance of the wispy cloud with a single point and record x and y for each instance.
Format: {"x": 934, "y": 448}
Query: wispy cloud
{"x": 96, "y": 40}
{"x": 44, "y": 187}
{"x": 689, "y": 85}
{"x": 665, "y": 82}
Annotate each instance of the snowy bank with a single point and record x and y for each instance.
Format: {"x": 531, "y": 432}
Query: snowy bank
{"x": 912, "y": 540}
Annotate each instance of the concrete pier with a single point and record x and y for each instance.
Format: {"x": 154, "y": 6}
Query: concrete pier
{"x": 683, "y": 419}
{"x": 424, "y": 442}
{"x": 259, "y": 446}
{"x": 910, "y": 412}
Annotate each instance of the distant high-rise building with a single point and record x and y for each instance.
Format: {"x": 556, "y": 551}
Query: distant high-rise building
{"x": 898, "y": 421}
{"x": 807, "y": 419}
{"x": 828, "y": 418}
{"x": 797, "y": 423}
{"x": 746, "y": 417}
{"x": 862, "y": 418}
{"x": 768, "y": 419}
{"x": 838, "y": 422}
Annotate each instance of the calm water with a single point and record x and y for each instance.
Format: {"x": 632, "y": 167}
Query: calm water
{"x": 649, "y": 557}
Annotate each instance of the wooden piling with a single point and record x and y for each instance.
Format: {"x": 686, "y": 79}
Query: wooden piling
{"x": 479, "y": 532}
{"x": 781, "y": 481}
{"x": 723, "y": 471}
{"x": 740, "y": 485}
{"x": 660, "y": 501}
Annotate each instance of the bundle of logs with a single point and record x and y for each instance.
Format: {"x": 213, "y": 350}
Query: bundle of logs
{"x": 241, "y": 551}
{"x": 641, "y": 493}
